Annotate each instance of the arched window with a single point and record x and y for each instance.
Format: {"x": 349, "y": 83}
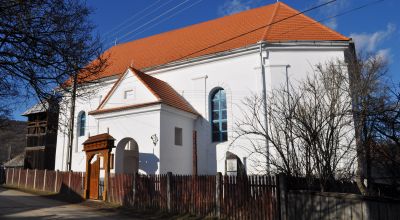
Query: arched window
{"x": 218, "y": 116}
{"x": 81, "y": 123}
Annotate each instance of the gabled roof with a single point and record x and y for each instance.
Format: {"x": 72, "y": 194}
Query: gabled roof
{"x": 17, "y": 161}
{"x": 161, "y": 90}
{"x": 37, "y": 108}
{"x": 218, "y": 35}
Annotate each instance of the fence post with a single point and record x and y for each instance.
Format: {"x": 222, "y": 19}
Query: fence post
{"x": 282, "y": 196}
{"x": 44, "y": 179}
{"x": 55, "y": 182}
{"x": 12, "y": 180}
{"x": 169, "y": 196}
{"x": 82, "y": 183}
{"x": 34, "y": 180}
{"x": 69, "y": 181}
{"x": 6, "y": 182}
{"x": 134, "y": 189}
{"x": 19, "y": 177}
{"x": 218, "y": 194}
{"x": 26, "y": 178}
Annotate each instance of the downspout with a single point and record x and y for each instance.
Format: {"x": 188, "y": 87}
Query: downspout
{"x": 264, "y": 94}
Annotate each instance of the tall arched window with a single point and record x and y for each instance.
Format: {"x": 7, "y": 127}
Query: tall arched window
{"x": 81, "y": 123}
{"x": 218, "y": 116}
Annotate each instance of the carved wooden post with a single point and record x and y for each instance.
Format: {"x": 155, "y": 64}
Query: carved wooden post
{"x": 106, "y": 166}
{"x": 86, "y": 191}
{"x": 98, "y": 145}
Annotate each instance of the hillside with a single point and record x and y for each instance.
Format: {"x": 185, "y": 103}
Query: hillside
{"x": 12, "y": 134}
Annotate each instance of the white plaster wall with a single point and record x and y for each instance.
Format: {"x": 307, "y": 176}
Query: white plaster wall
{"x": 139, "y": 125}
{"x": 88, "y": 103}
{"x": 175, "y": 158}
{"x": 241, "y": 77}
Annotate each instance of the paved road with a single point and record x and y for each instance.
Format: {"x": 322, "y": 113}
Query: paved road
{"x": 19, "y": 205}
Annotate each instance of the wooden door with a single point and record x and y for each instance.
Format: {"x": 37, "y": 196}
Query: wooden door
{"x": 94, "y": 172}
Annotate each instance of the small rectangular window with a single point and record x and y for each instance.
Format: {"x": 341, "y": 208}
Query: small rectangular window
{"x": 178, "y": 136}
{"x": 128, "y": 94}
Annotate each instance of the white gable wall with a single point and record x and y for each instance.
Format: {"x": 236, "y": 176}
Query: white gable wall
{"x": 129, "y": 91}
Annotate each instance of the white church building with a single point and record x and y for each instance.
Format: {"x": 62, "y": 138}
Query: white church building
{"x": 171, "y": 100}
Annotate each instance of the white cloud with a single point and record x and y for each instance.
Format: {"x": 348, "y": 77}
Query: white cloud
{"x": 369, "y": 42}
{"x": 234, "y": 6}
{"x": 384, "y": 54}
{"x": 332, "y": 9}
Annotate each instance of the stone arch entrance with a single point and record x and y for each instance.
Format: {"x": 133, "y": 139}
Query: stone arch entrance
{"x": 127, "y": 156}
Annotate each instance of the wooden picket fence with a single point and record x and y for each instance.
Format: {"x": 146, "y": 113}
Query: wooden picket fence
{"x": 46, "y": 180}
{"x": 227, "y": 197}
{"x": 250, "y": 197}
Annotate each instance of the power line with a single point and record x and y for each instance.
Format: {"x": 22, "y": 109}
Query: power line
{"x": 184, "y": 9}
{"x": 162, "y": 14}
{"x": 335, "y": 16}
{"x": 130, "y": 18}
{"x": 251, "y": 31}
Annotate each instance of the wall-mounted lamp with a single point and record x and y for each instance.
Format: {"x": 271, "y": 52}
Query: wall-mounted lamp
{"x": 154, "y": 138}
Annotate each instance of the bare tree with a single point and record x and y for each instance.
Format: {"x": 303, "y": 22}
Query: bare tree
{"x": 43, "y": 43}
{"x": 369, "y": 91}
{"x": 311, "y": 129}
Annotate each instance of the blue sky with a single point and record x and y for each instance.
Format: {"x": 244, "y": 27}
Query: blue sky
{"x": 374, "y": 28}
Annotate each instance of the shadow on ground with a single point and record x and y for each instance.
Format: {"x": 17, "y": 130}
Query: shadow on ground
{"x": 13, "y": 205}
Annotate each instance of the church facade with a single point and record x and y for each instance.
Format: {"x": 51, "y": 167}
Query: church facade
{"x": 171, "y": 100}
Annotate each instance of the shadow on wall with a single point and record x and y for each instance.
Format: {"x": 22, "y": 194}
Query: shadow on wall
{"x": 148, "y": 163}
{"x": 205, "y": 148}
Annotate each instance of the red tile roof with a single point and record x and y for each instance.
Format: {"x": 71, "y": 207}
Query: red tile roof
{"x": 161, "y": 90}
{"x": 222, "y": 34}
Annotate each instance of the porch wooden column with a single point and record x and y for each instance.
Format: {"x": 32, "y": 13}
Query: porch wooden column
{"x": 100, "y": 145}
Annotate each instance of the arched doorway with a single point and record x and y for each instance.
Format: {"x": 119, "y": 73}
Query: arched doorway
{"x": 127, "y": 156}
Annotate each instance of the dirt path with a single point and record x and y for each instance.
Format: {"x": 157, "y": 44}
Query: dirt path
{"x": 20, "y": 205}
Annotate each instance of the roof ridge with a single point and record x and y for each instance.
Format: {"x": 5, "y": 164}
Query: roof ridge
{"x": 200, "y": 23}
{"x": 314, "y": 21}
{"x": 270, "y": 21}
{"x": 110, "y": 91}
{"x": 139, "y": 75}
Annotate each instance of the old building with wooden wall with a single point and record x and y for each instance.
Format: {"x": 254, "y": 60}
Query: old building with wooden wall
{"x": 41, "y": 136}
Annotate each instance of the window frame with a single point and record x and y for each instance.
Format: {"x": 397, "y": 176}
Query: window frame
{"x": 218, "y": 115}
{"x": 178, "y": 141}
{"x": 81, "y": 126}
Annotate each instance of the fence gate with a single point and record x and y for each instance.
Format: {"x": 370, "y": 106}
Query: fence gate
{"x": 98, "y": 146}
{"x": 94, "y": 173}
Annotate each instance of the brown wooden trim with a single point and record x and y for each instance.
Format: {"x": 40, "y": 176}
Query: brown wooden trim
{"x": 111, "y": 91}
{"x": 96, "y": 112}
{"x": 135, "y": 71}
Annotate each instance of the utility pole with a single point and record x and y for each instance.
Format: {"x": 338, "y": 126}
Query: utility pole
{"x": 264, "y": 94}
{"x": 72, "y": 120}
